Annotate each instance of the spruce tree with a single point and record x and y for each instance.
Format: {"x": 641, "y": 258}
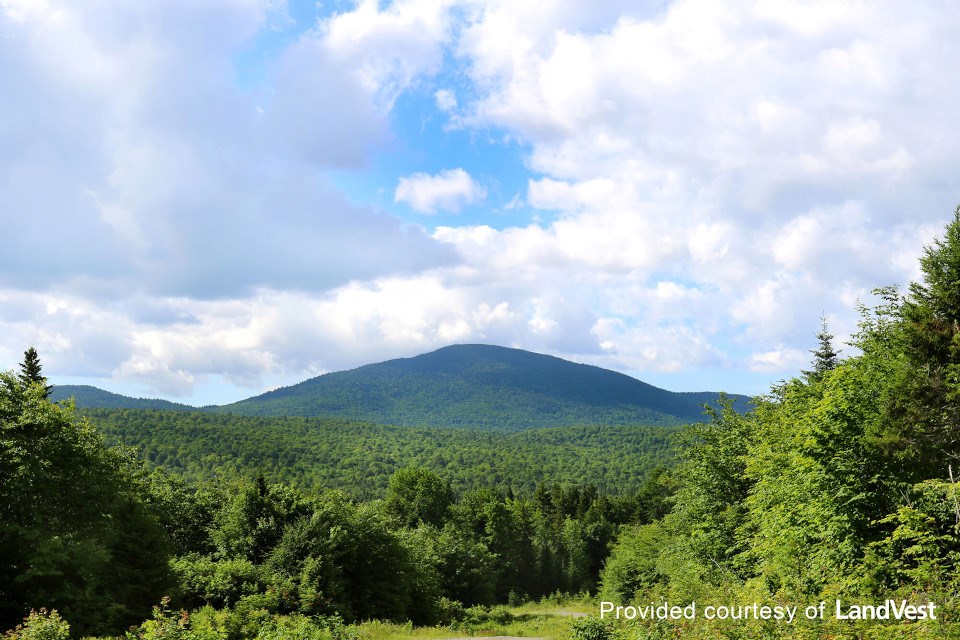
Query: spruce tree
{"x": 926, "y": 407}
{"x": 30, "y": 371}
{"x": 825, "y": 357}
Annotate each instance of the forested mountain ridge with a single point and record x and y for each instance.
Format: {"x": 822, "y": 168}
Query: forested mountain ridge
{"x": 87, "y": 396}
{"x": 469, "y": 385}
{"x": 481, "y": 387}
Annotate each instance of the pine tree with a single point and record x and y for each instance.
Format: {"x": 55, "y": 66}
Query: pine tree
{"x": 30, "y": 371}
{"x": 825, "y": 357}
{"x": 926, "y": 408}
{"x": 938, "y": 296}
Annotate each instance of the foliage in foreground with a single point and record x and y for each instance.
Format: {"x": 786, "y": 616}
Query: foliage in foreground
{"x": 76, "y": 528}
{"x": 41, "y": 625}
{"x": 840, "y": 484}
{"x": 547, "y": 619}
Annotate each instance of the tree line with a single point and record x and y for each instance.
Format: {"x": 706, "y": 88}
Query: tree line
{"x": 840, "y": 483}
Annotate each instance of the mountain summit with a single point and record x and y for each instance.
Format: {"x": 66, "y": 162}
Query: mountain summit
{"x": 482, "y": 387}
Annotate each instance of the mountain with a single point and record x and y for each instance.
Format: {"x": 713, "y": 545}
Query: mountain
{"x": 90, "y": 397}
{"x": 482, "y": 387}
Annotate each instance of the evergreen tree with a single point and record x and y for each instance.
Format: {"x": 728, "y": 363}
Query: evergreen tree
{"x": 926, "y": 410}
{"x": 30, "y": 371}
{"x": 939, "y": 294}
{"x": 825, "y": 357}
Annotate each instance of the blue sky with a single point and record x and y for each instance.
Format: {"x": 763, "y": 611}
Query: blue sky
{"x": 205, "y": 199}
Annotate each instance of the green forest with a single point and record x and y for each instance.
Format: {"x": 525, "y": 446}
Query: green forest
{"x": 840, "y": 484}
{"x": 463, "y": 386}
{"x": 239, "y": 520}
{"x": 479, "y": 386}
{"x": 359, "y": 458}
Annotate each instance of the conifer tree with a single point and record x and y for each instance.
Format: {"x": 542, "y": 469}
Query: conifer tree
{"x": 927, "y": 409}
{"x": 30, "y": 371}
{"x": 825, "y": 357}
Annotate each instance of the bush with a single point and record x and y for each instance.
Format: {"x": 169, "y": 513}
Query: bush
{"x": 500, "y": 615}
{"x": 450, "y": 611}
{"x": 165, "y": 624}
{"x": 476, "y": 617}
{"x": 335, "y": 626}
{"x": 590, "y": 629}
{"x": 203, "y": 580}
{"x": 208, "y": 623}
{"x": 293, "y": 628}
{"x": 41, "y": 626}
{"x": 633, "y": 564}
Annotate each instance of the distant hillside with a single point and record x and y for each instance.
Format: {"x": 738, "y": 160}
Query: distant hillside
{"x": 483, "y": 387}
{"x": 89, "y": 397}
{"x": 359, "y": 458}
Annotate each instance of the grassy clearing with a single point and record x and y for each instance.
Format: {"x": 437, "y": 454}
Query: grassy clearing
{"x": 547, "y": 620}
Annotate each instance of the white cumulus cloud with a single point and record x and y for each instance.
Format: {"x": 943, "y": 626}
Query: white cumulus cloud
{"x": 449, "y": 190}
{"x": 703, "y": 181}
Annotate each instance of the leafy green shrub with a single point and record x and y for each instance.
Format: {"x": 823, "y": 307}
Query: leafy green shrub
{"x": 632, "y": 565}
{"x": 474, "y": 616}
{"x": 41, "y": 625}
{"x": 247, "y": 617}
{"x": 203, "y": 580}
{"x": 500, "y": 615}
{"x": 338, "y": 630}
{"x": 208, "y": 623}
{"x": 294, "y": 627}
{"x": 590, "y": 629}
{"x": 165, "y": 624}
{"x": 478, "y": 617}
{"x": 450, "y": 611}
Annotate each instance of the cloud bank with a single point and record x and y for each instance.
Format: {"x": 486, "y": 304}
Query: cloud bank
{"x": 699, "y": 183}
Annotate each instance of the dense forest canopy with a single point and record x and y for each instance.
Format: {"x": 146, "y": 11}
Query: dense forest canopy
{"x": 480, "y": 386}
{"x": 359, "y": 458}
